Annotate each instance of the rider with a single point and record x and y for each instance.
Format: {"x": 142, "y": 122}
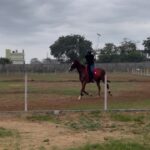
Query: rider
{"x": 90, "y": 64}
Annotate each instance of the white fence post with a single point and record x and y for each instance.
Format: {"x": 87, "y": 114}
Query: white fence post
{"x": 26, "y": 93}
{"x": 105, "y": 93}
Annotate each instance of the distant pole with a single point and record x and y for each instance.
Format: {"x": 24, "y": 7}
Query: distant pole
{"x": 25, "y": 89}
{"x": 97, "y": 50}
{"x": 105, "y": 93}
{"x": 25, "y": 94}
{"x": 98, "y": 37}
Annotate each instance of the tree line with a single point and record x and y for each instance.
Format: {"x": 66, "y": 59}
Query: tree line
{"x": 126, "y": 52}
{"x": 70, "y": 47}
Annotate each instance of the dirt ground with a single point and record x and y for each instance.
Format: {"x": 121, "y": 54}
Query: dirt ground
{"x": 125, "y": 95}
{"x": 50, "y": 136}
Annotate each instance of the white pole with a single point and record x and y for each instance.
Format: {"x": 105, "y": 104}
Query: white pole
{"x": 105, "y": 94}
{"x": 25, "y": 93}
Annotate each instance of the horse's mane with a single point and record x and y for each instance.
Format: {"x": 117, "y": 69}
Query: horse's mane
{"x": 77, "y": 62}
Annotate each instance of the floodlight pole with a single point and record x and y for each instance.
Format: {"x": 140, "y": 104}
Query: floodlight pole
{"x": 98, "y": 37}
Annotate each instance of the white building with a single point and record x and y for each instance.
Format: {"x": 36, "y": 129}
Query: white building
{"x": 15, "y": 56}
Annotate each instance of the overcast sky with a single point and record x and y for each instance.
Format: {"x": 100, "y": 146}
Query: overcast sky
{"x": 33, "y": 25}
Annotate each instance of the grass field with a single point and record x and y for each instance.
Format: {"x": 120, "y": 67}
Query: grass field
{"x": 60, "y": 91}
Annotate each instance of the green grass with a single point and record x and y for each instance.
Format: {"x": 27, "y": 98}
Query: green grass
{"x": 90, "y": 121}
{"x": 126, "y": 118}
{"x": 113, "y": 145}
{"x": 122, "y": 86}
{"x": 52, "y": 77}
{"x": 5, "y": 132}
{"x": 85, "y": 106}
{"x": 68, "y": 91}
{"x": 132, "y": 104}
{"x": 84, "y": 124}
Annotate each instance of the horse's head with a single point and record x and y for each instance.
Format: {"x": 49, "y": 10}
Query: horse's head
{"x": 73, "y": 65}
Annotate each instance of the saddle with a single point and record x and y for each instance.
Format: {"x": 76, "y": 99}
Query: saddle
{"x": 96, "y": 74}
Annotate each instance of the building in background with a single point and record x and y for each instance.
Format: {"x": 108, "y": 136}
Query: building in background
{"x": 15, "y": 56}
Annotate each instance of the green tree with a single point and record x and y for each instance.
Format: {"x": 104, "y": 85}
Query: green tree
{"x": 109, "y": 49}
{"x": 134, "y": 56}
{"x": 129, "y": 53}
{"x": 109, "y": 53}
{"x": 126, "y": 52}
{"x": 4, "y": 61}
{"x": 146, "y": 44}
{"x": 70, "y": 47}
{"x": 127, "y": 47}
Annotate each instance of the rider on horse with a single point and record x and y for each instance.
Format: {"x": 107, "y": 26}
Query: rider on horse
{"x": 90, "y": 64}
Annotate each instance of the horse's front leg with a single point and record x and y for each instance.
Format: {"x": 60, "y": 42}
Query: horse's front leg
{"x": 82, "y": 90}
{"x": 98, "y": 86}
{"x": 89, "y": 94}
{"x": 86, "y": 92}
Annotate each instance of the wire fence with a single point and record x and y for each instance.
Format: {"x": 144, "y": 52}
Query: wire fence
{"x": 51, "y": 68}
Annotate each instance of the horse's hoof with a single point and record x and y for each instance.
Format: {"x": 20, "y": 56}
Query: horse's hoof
{"x": 79, "y": 98}
{"x": 109, "y": 92}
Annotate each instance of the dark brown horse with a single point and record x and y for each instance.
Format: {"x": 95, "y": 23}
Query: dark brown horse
{"x": 98, "y": 74}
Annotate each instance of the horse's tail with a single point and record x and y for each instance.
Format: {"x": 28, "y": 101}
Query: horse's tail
{"x": 108, "y": 81}
{"x": 108, "y": 87}
{"x": 104, "y": 73}
{"x": 103, "y": 79}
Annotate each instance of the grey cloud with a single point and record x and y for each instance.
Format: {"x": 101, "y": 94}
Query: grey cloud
{"x": 36, "y": 24}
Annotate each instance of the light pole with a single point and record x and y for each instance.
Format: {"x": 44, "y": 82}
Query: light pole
{"x": 98, "y": 37}
{"x": 96, "y": 50}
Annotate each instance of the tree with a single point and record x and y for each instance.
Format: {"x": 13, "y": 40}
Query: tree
{"x": 135, "y": 56}
{"x": 46, "y": 61}
{"x": 109, "y": 49}
{"x": 109, "y": 53}
{"x": 127, "y": 47}
{"x": 146, "y": 44}
{"x": 4, "y": 61}
{"x": 35, "y": 61}
{"x": 70, "y": 47}
{"x": 126, "y": 52}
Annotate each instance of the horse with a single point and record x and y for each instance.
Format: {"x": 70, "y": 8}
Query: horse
{"x": 98, "y": 75}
